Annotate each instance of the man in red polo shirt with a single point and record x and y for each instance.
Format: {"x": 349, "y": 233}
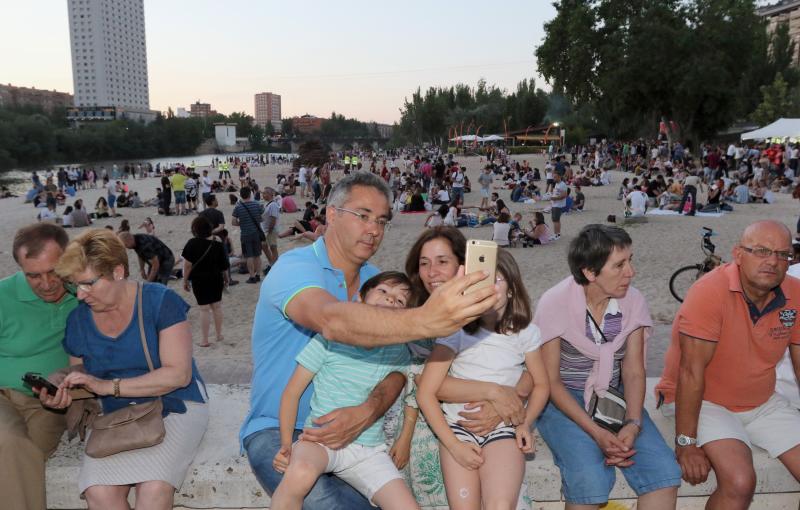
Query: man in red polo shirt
{"x": 727, "y": 338}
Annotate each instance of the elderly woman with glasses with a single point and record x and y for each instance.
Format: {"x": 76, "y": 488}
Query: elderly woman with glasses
{"x": 103, "y": 337}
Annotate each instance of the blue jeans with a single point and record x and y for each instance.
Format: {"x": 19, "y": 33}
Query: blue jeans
{"x": 329, "y": 493}
{"x": 585, "y": 479}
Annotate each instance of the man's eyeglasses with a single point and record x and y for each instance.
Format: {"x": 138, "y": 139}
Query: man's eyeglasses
{"x": 764, "y": 253}
{"x": 86, "y": 286}
{"x": 380, "y": 222}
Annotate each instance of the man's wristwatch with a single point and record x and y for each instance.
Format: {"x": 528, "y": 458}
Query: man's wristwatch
{"x": 684, "y": 440}
{"x": 116, "y": 387}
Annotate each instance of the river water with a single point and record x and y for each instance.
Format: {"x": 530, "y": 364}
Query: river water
{"x": 19, "y": 181}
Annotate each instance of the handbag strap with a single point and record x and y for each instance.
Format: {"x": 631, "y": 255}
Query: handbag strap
{"x": 194, "y": 265}
{"x": 140, "y": 313}
{"x": 247, "y": 210}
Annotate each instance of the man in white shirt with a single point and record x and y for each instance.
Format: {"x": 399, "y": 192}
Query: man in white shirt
{"x": 205, "y": 187}
{"x": 269, "y": 224}
{"x": 559, "y": 203}
{"x": 302, "y": 177}
{"x": 636, "y": 201}
{"x": 458, "y": 182}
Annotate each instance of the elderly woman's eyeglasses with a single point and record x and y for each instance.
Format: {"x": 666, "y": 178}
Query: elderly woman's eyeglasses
{"x": 381, "y": 222}
{"x": 74, "y": 287}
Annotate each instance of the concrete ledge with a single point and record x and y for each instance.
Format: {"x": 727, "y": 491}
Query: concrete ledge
{"x": 218, "y": 478}
{"x": 221, "y": 478}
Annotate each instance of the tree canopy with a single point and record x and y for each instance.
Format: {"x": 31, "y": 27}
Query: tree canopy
{"x": 468, "y": 110}
{"x": 629, "y": 63}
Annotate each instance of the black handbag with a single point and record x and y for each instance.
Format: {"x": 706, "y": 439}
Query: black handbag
{"x": 608, "y": 411}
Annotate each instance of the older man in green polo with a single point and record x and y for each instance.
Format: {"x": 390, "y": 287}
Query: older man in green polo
{"x": 33, "y": 312}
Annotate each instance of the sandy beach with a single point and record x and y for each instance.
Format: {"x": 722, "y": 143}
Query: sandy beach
{"x": 661, "y": 245}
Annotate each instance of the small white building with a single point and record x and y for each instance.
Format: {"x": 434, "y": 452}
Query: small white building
{"x": 225, "y": 135}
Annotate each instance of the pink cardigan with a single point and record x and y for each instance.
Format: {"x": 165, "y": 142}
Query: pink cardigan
{"x": 561, "y": 313}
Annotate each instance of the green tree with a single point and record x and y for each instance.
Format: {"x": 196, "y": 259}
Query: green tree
{"x": 256, "y": 138}
{"x": 778, "y": 101}
{"x": 628, "y": 63}
{"x": 287, "y": 128}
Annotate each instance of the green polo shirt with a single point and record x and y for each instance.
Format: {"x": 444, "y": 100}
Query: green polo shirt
{"x": 31, "y": 332}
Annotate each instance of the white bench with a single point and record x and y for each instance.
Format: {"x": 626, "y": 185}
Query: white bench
{"x": 221, "y": 478}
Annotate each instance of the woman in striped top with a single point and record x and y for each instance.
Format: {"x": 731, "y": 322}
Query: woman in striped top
{"x": 594, "y": 327}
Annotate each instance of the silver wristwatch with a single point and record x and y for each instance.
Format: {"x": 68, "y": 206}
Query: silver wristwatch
{"x": 684, "y": 440}
{"x": 633, "y": 421}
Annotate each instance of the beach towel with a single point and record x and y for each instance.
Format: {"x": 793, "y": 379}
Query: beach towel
{"x": 561, "y": 312}
{"x": 665, "y": 212}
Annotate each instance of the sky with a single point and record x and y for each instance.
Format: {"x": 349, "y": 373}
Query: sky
{"x": 357, "y": 58}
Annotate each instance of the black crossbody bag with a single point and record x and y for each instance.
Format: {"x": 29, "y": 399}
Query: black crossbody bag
{"x": 609, "y": 411}
{"x": 261, "y": 235}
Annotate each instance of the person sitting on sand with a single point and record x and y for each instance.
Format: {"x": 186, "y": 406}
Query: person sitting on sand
{"x": 66, "y": 218}
{"x": 101, "y": 208}
{"x": 437, "y": 219}
{"x": 303, "y": 225}
{"x": 124, "y": 226}
{"x": 539, "y": 232}
{"x": 80, "y": 218}
{"x": 319, "y": 228}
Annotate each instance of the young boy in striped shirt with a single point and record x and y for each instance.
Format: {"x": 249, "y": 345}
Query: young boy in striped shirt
{"x": 344, "y": 375}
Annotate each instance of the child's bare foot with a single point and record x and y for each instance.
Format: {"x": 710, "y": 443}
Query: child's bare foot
{"x": 220, "y": 338}
{"x": 204, "y": 345}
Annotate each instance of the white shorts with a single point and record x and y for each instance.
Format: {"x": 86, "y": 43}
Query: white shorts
{"x": 773, "y": 426}
{"x": 366, "y": 468}
{"x": 484, "y": 192}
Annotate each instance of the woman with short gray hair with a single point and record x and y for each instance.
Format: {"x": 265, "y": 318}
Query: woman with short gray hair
{"x": 594, "y": 327}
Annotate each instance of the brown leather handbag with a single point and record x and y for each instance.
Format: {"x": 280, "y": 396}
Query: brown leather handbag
{"x": 134, "y": 426}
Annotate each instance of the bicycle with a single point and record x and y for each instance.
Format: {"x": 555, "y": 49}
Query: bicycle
{"x": 684, "y": 277}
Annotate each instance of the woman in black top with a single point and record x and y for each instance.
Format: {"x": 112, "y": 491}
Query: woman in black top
{"x": 205, "y": 265}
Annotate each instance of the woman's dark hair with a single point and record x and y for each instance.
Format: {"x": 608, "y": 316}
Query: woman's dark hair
{"x": 458, "y": 243}
{"x": 518, "y": 314}
{"x": 592, "y": 247}
{"x": 68, "y": 210}
{"x": 503, "y": 217}
{"x": 394, "y": 277}
{"x": 78, "y": 203}
{"x": 201, "y": 227}
{"x": 125, "y": 226}
{"x": 538, "y": 218}
{"x": 501, "y": 205}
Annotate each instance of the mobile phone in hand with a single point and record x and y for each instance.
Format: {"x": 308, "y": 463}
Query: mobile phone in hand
{"x": 481, "y": 256}
{"x": 35, "y": 380}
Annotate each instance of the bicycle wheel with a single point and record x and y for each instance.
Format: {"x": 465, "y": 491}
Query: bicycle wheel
{"x": 683, "y": 278}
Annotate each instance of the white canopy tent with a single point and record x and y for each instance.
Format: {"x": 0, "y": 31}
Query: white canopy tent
{"x": 493, "y": 138}
{"x": 781, "y": 128}
{"x": 475, "y": 138}
{"x": 466, "y": 138}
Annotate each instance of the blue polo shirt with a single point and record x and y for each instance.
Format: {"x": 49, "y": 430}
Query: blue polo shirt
{"x": 277, "y": 340}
